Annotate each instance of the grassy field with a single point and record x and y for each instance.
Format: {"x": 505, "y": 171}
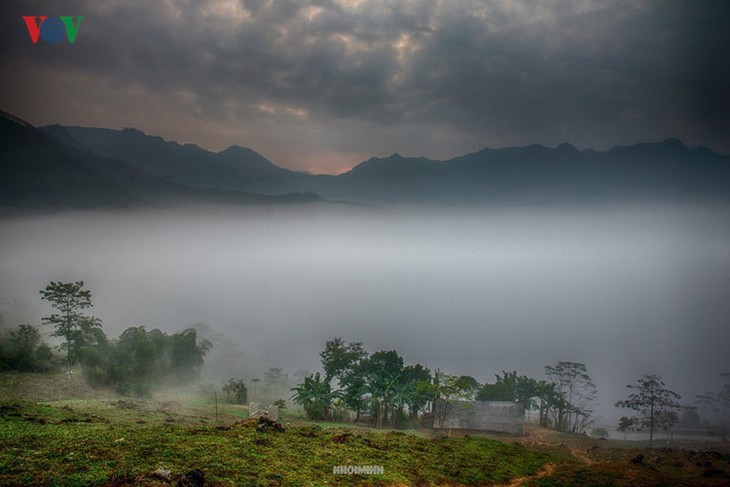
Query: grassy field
{"x": 172, "y": 439}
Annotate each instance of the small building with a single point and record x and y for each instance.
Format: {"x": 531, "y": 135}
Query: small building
{"x": 497, "y": 416}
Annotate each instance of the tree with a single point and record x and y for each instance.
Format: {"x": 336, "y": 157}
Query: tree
{"x": 547, "y": 396}
{"x": 511, "y": 387}
{"x": 139, "y": 357}
{"x": 236, "y": 391}
{"x": 654, "y": 402}
{"x": 315, "y": 396}
{"x": 338, "y": 359}
{"x": 185, "y": 353}
{"x": 70, "y": 298}
{"x": 576, "y": 392}
{"x": 93, "y": 353}
{"x": 382, "y": 373}
{"x": 718, "y": 403}
{"x": 355, "y": 392}
{"x": 418, "y": 378}
{"x": 625, "y": 424}
{"x": 448, "y": 390}
{"x": 22, "y": 348}
{"x": 134, "y": 361}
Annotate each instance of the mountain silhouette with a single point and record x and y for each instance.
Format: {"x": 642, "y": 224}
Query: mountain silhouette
{"x": 40, "y": 171}
{"x": 235, "y": 169}
{"x": 531, "y": 175}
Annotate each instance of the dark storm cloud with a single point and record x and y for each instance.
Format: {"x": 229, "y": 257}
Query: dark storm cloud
{"x": 296, "y": 76}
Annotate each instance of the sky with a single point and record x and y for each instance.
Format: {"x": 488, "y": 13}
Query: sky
{"x": 321, "y": 85}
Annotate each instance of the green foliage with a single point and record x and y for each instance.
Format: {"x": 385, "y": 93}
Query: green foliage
{"x": 419, "y": 392}
{"x": 394, "y": 393}
{"x": 315, "y": 395}
{"x": 338, "y": 359}
{"x": 511, "y": 387}
{"x": 70, "y": 298}
{"x": 236, "y": 391}
{"x": 138, "y": 358}
{"x": 22, "y": 349}
{"x": 382, "y": 373}
{"x": 654, "y": 402}
{"x": 447, "y": 390}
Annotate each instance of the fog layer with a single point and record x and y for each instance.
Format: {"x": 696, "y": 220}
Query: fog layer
{"x": 627, "y": 291}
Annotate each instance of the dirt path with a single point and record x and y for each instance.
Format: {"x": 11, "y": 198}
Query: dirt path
{"x": 546, "y": 471}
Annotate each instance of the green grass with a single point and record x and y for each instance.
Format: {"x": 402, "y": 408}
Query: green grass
{"x": 65, "y": 433}
{"x": 91, "y": 442}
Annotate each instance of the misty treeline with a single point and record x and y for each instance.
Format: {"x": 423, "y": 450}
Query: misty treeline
{"x": 131, "y": 363}
{"x": 392, "y": 394}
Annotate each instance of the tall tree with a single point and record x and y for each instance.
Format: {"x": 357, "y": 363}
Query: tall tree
{"x": 185, "y": 354}
{"x": 418, "y": 379}
{"x": 655, "y": 403}
{"x": 22, "y": 348}
{"x": 70, "y": 298}
{"x": 546, "y": 396}
{"x": 382, "y": 372}
{"x": 718, "y": 403}
{"x": 577, "y": 390}
{"x": 355, "y": 391}
{"x": 339, "y": 358}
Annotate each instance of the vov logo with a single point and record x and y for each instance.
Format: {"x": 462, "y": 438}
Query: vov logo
{"x": 52, "y": 29}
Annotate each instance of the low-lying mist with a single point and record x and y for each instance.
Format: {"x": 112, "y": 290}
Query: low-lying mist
{"x": 625, "y": 290}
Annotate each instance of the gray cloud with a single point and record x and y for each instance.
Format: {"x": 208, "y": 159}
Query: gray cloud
{"x": 313, "y": 81}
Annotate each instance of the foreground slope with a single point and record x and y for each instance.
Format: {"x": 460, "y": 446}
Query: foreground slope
{"x": 77, "y": 435}
{"x": 119, "y": 442}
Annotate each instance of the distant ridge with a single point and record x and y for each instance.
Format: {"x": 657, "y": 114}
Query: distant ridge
{"x": 530, "y": 175}
{"x": 42, "y": 172}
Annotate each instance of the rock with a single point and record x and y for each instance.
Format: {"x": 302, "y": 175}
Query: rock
{"x": 195, "y": 478}
{"x": 162, "y": 474}
{"x": 638, "y": 460}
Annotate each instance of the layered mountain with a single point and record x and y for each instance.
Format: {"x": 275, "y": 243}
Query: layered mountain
{"x": 39, "y": 171}
{"x": 234, "y": 169}
{"x": 540, "y": 175}
{"x": 531, "y": 175}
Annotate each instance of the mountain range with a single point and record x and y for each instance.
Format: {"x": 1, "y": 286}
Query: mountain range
{"x": 40, "y": 171}
{"x": 86, "y": 167}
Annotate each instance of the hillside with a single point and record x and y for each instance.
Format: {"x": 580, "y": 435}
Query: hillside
{"x": 180, "y": 437}
{"x": 39, "y": 171}
{"x": 234, "y": 169}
